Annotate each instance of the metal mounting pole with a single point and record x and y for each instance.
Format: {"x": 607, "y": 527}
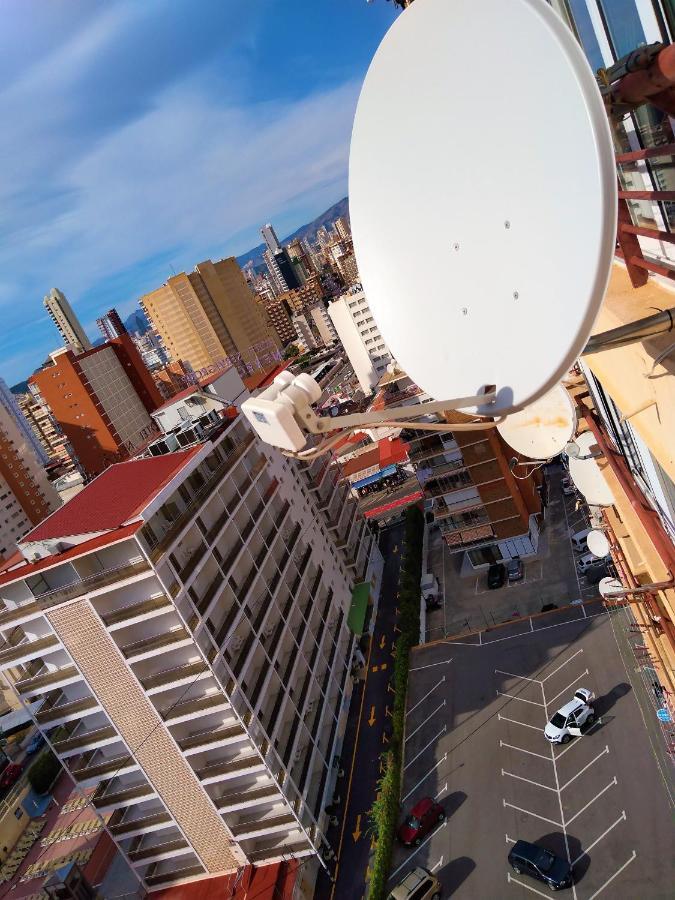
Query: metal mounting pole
{"x": 660, "y": 323}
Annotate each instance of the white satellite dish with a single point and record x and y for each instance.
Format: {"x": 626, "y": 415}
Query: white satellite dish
{"x": 597, "y": 543}
{"x": 611, "y": 587}
{"x": 463, "y": 226}
{"x": 586, "y": 474}
{"x": 543, "y": 428}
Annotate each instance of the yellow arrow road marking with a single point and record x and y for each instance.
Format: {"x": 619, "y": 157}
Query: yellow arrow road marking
{"x": 356, "y": 834}
{"x": 371, "y": 720}
{"x": 383, "y": 641}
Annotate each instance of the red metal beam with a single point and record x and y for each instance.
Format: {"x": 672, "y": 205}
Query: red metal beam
{"x": 630, "y": 247}
{"x": 647, "y": 195}
{"x": 650, "y": 266}
{"x": 666, "y": 236}
{"x": 649, "y": 153}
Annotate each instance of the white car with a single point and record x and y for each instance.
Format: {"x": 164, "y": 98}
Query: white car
{"x": 588, "y": 560}
{"x": 571, "y": 718}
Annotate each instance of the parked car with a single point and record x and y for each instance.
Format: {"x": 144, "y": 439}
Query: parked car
{"x": 540, "y": 863}
{"x": 588, "y": 561}
{"x": 34, "y": 744}
{"x": 10, "y": 775}
{"x": 423, "y": 817}
{"x": 496, "y": 575}
{"x": 417, "y": 885}
{"x": 578, "y": 540}
{"x": 597, "y": 572}
{"x": 515, "y": 569}
{"x": 571, "y": 718}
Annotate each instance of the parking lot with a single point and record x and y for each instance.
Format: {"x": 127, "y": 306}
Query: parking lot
{"x": 476, "y": 712}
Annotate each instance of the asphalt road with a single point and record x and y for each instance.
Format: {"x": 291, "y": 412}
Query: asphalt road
{"x": 368, "y": 721}
{"x": 476, "y": 712}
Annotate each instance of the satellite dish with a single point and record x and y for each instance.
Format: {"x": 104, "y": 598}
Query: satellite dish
{"x": 462, "y": 225}
{"x": 586, "y": 474}
{"x": 543, "y": 428}
{"x": 611, "y": 587}
{"x": 597, "y": 543}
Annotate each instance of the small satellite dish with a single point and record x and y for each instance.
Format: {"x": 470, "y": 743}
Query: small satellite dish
{"x": 611, "y": 587}
{"x": 586, "y": 474}
{"x": 462, "y": 226}
{"x": 597, "y": 543}
{"x": 543, "y": 428}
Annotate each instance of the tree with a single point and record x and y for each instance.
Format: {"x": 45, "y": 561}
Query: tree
{"x": 291, "y": 352}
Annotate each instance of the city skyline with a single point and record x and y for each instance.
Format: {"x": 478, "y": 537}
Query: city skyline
{"x": 122, "y": 185}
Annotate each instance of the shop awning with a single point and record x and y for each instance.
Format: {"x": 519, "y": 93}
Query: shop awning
{"x": 357, "y": 610}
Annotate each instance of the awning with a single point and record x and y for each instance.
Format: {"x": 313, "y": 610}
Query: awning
{"x": 376, "y": 476}
{"x": 357, "y": 610}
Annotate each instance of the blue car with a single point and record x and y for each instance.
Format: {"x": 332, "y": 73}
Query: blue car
{"x": 35, "y": 743}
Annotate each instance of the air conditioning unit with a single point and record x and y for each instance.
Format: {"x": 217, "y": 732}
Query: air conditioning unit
{"x": 268, "y": 630}
{"x": 310, "y": 706}
{"x": 236, "y": 643}
{"x": 297, "y": 756}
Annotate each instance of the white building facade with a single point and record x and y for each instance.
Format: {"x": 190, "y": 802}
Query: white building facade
{"x": 361, "y": 338}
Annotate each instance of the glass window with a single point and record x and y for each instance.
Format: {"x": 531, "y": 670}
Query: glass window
{"x": 586, "y": 33}
{"x": 623, "y": 24}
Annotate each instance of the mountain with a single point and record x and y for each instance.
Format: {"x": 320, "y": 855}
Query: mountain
{"x": 308, "y": 231}
{"x": 137, "y": 321}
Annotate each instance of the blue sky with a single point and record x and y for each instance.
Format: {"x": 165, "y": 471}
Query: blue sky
{"x": 140, "y": 136}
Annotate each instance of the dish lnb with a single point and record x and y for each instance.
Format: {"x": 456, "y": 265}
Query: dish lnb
{"x": 273, "y": 412}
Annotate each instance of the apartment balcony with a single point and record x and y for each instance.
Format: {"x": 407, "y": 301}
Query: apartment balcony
{"x": 318, "y": 479}
{"x": 325, "y": 501}
{"x": 138, "y": 826}
{"x": 445, "y": 511}
{"x": 86, "y": 740}
{"x": 114, "y": 766}
{"x": 158, "y": 852}
{"x": 108, "y": 802}
{"x": 155, "y": 645}
{"x": 255, "y": 828}
{"x": 235, "y": 800}
{"x": 137, "y": 612}
{"x": 60, "y": 713}
{"x": 273, "y": 850}
{"x": 28, "y": 649}
{"x": 176, "y": 677}
{"x": 34, "y": 608}
{"x": 209, "y": 740}
{"x": 194, "y": 709}
{"x": 247, "y": 764}
{"x": 48, "y": 681}
{"x": 166, "y": 879}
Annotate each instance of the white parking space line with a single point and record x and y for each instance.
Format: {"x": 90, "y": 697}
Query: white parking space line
{"x": 512, "y": 880}
{"x": 569, "y": 687}
{"x": 622, "y": 818}
{"x": 529, "y": 781}
{"x": 424, "y": 777}
{"x": 534, "y": 815}
{"x": 417, "y": 849}
{"x": 577, "y": 740}
{"x": 436, "y": 865}
{"x": 516, "y": 722}
{"x": 509, "y": 840}
{"x": 426, "y": 747}
{"x": 562, "y": 665}
{"x": 442, "y": 791}
{"x": 444, "y": 662}
{"x": 511, "y": 675}
{"x": 422, "y": 724}
{"x": 513, "y": 637}
{"x": 521, "y": 750}
{"x": 438, "y": 684}
{"x": 618, "y": 872}
{"x": 522, "y": 699}
{"x": 590, "y": 802}
{"x": 587, "y": 766}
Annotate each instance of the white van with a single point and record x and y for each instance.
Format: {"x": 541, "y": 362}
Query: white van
{"x": 588, "y": 560}
{"x": 579, "y": 540}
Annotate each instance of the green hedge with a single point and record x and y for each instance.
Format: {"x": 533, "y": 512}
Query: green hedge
{"x": 385, "y": 811}
{"x": 43, "y": 772}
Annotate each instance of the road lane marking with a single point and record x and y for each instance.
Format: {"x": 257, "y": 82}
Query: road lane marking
{"x": 562, "y": 665}
{"x": 509, "y": 840}
{"x": 356, "y": 833}
{"x": 522, "y": 699}
{"x": 426, "y": 746}
{"x": 424, "y": 777}
{"x": 442, "y": 791}
{"x": 529, "y": 781}
{"x": 440, "y": 706}
{"x": 417, "y": 849}
{"x": 599, "y": 794}
{"x": 521, "y": 750}
{"x": 512, "y": 880}
{"x": 578, "y": 739}
{"x": 622, "y": 818}
{"x": 516, "y": 722}
{"x": 587, "y": 766}
{"x": 569, "y": 686}
{"x": 534, "y": 815}
{"x": 371, "y": 718}
{"x": 618, "y": 872}
{"x": 511, "y": 675}
{"x": 436, "y": 865}
{"x": 445, "y": 662}
{"x": 425, "y": 696}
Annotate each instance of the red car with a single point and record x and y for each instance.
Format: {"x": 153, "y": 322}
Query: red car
{"x": 10, "y": 775}
{"x": 421, "y": 820}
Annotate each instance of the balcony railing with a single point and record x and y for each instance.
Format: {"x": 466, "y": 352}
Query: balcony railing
{"x": 27, "y": 647}
{"x": 79, "y": 708}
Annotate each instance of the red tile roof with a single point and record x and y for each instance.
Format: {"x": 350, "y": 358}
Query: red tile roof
{"x": 264, "y": 377}
{"x": 112, "y": 499}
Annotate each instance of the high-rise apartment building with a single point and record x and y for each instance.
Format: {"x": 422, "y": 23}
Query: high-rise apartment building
{"x": 342, "y": 229}
{"x": 280, "y": 317}
{"x": 361, "y": 338}
{"x": 47, "y": 432}
{"x": 111, "y": 325}
{"x": 13, "y": 407}
{"x": 184, "y": 622}
{"x": 102, "y": 400}
{"x": 26, "y": 496}
{"x": 210, "y": 316}
{"x": 66, "y": 321}
{"x": 270, "y": 238}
